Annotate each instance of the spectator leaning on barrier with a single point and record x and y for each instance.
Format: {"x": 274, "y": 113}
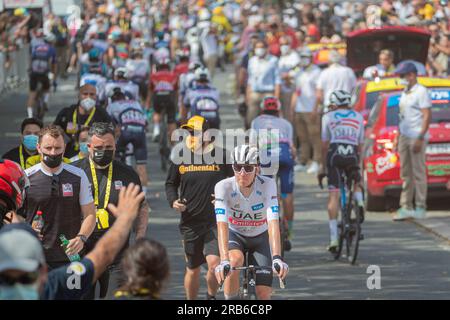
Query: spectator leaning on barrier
{"x": 63, "y": 194}
{"x": 28, "y": 147}
{"x": 415, "y": 117}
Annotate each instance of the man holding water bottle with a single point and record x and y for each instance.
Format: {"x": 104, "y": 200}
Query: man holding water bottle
{"x": 63, "y": 194}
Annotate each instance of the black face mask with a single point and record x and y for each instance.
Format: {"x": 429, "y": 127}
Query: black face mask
{"x": 52, "y": 161}
{"x": 103, "y": 157}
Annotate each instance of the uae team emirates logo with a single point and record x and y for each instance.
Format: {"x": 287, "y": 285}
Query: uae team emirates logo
{"x": 67, "y": 190}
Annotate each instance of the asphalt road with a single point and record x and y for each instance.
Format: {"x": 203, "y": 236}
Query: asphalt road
{"x": 413, "y": 263}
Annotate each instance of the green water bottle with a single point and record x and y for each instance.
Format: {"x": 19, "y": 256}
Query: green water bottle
{"x": 65, "y": 243}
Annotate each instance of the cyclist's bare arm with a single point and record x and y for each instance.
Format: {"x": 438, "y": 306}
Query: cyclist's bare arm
{"x": 112, "y": 242}
{"x": 222, "y": 237}
{"x": 274, "y": 237}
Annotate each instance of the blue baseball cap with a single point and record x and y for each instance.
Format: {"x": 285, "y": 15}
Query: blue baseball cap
{"x": 406, "y": 68}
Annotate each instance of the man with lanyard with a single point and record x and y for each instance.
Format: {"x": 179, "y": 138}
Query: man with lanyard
{"x": 23, "y": 266}
{"x": 415, "y": 118}
{"x": 130, "y": 121}
{"x": 107, "y": 177}
{"x": 43, "y": 69}
{"x": 73, "y": 118}
{"x": 189, "y": 190}
{"x": 342, "y": 142}
{"x": 246, "y": 208}
{"x": 203, "y": 99}
{"x": 282, "y": 160}
{"x": 30, "y": 130}
{"x": 62, "y": 193}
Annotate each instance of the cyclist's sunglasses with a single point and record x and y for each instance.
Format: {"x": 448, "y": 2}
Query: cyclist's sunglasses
{"x": 27, "y": 278}
{"x": 248, "y": 168}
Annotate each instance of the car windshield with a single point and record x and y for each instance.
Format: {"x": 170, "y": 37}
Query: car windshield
{"x": 440, "y": 110}
{"x": 371, "y": 98}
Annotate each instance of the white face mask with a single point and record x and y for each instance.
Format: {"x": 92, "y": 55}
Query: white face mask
{"x": 260, "y": 52}
{"x": 403, "y": 82}
{"x": 87, "y": 104}
{"x": 284, "y": 49}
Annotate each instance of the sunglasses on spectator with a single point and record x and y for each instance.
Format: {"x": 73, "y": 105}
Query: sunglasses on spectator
{"x": 248, "y": 168}
{"x": 27, "y": 278}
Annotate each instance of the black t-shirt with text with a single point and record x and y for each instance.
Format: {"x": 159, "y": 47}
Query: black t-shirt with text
{"x": 195, "y": 183}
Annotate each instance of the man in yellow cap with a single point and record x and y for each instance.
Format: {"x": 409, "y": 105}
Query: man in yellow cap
{"x": 189, "y": 190}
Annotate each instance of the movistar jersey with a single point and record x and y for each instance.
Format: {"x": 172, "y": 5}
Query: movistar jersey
{"x": 128, "y": 114}
{"x": 247, "y": 216}
{"x": 343, "y": 127}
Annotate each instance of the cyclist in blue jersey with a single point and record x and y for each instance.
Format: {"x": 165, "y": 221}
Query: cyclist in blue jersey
{"x": 283, "y": 153}
{"x": 202, "y": 99}
{"x": 43, "y": 69}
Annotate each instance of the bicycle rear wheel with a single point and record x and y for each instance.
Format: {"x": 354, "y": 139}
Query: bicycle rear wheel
{"x": 353, "y": 234}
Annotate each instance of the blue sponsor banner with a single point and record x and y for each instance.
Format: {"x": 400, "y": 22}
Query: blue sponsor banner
{"x": 258, "y": 206}
{"x": 220, "y": 211}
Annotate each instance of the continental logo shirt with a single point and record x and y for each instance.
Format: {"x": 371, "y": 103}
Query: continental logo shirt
{"x": 195, "y": 183}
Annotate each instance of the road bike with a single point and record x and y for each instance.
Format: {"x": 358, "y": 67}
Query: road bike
{"x": 351, "y": 217}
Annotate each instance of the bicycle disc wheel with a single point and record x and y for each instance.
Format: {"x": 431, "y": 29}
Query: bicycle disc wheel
{"x": 354, "y": 234}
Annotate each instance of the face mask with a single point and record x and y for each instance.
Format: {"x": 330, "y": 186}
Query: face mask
{"x": 87, "y": 104}
{"x": 52, "y": 161}
{"x": 403, "y": 82}
{"x": 103, "y": 157}
{"x": 30, "y": 142}
{"x": 260, "y": 52}
{"x": 284, "y": 49}
{"x": 84, "y": 148}
{"x": 19, "y": 292}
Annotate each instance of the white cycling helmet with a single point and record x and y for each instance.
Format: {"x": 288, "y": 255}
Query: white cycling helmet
{"x": 340, "y": 98}
{"x": 245, "y": 154}
{"x": 202, "y": 73}
{"x": 121, "y": 72}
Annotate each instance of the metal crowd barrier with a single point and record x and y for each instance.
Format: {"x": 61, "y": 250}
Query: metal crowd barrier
{"x": 16, "y": 75}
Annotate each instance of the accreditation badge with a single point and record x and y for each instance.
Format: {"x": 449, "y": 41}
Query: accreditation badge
{"x": 71, "y": 128}
{"x": 102, "y": 219}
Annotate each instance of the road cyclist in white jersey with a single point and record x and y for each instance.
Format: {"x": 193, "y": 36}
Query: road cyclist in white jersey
{"x": 246, "y": 208}
{"x": 342, "y": 142}
{"x": 121, "y": 80}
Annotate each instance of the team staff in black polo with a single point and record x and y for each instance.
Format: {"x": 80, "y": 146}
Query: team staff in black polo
{"x": 107, "y": 176}
{"x": 28, "y": 143}
{"x": 62, "y": 192}
{"x": 197, "y": 226}
{"x": 82, "y": 114}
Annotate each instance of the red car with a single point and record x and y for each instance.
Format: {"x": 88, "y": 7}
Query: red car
{"x": 382, "y": 165}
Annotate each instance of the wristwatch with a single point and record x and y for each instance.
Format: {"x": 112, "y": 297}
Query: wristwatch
{"x": 82, "y": 237}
